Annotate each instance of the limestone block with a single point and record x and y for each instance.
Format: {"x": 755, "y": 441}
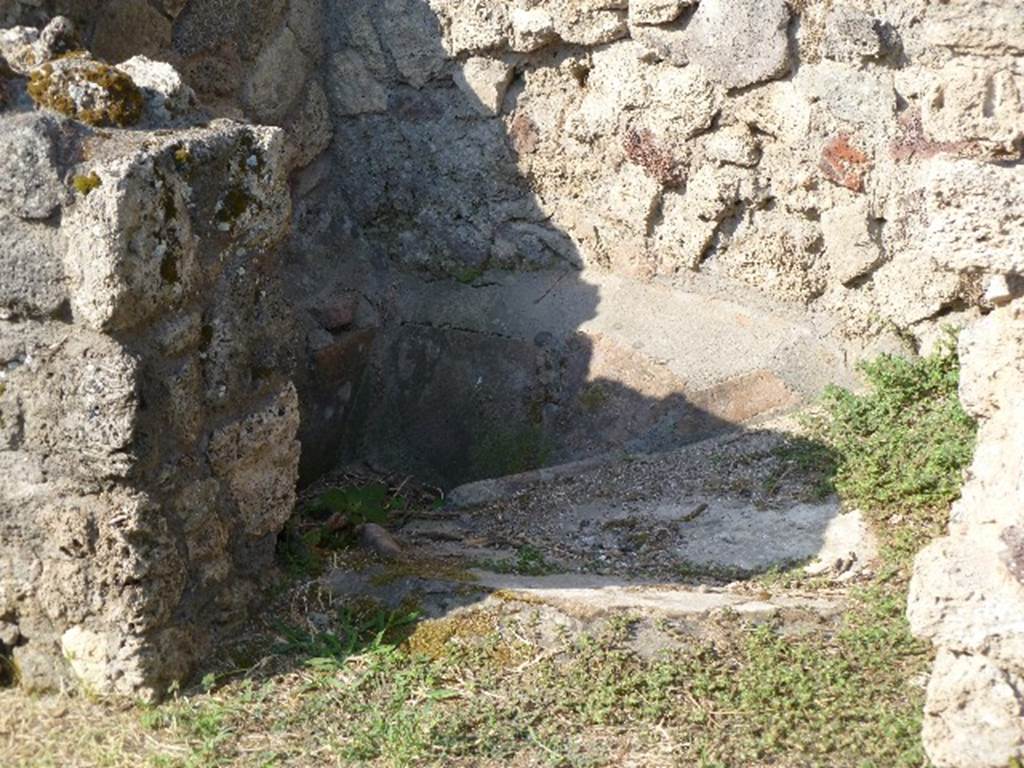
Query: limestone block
{"x": 850, "y": 96}
{"x": 134, "y": 251}
{"x": 776, "y": 254}
{"x": 353, "y": 88}
{"x": 683, "y": 237}
{"x": 472, "y": 26}
{"x": 911, "y": 288}
{"x": 306, "y": 21}
{"x": 30, "y": 183}
{"x": 16, "y": 46}
{"x": 974, "y": 713}
{"x": 970, "y": 216}
{"x": 667, "y": 42}
{"x": 32, "y": 282}
{"x": 780, "y": 109}
{"x": 712, "y": 192}
{"x": 126, "y": 28}
{"x": 26, "y": 48}
{"x": 278, "y": 77}
{"x": 87, "y": 90}
{"x": 967, "y": 104}
{"x": 629, "y": 197}
{"x": 310, "y": 133}
{"x": 139, "y": 232}
{"x": 74, "y": 393}
{"x": 682, "y": 102}
{"x": 734, "y": 145}
{"x": 207, "y": 534}
{"x": 998, "y": 290}
{"x": 656, "y": 11}
{"x": 984, "y": 27}
{"x": 484, "y": 80}
{"x": 166, "y": 94}
{"x": 966, "y": 600}
{"x": 532, "y": 29}
{"x": 258, "y": 456}
{"x": 410, "y": 32}
{"x": 851, "y": 35}
{"x": 589, "y": 22}
{"x": 739, "y": 42}
{"x": 618, "y": 83}
{"x": 851, "y": 249}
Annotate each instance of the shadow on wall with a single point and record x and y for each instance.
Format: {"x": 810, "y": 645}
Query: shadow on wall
{"x": 444, "y": 325}
{"x": 485, "y": 350}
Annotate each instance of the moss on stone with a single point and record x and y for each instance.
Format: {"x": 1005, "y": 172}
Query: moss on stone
{"x": 423, "y": 569}
{"x": 205, "y": 337}
{"x": 86, "y": 183}
{"x": 49, "y": 86}
{"x": 169, "y": 267}
{"x": 233, "y": 205}
{"x": 433, "y": 638}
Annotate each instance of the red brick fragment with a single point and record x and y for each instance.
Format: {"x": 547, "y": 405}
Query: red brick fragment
{"x": 844, "y": 164}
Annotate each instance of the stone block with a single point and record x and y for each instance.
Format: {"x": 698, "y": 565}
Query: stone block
{"x": 258, "y": 458}
{"x": 851, "y": 35}
{"x": 30, "y": 178}
{"x": 739, "y": 42}
{"x": 484, "y": 80}
{"x": 157, "y": 205}
{"x": 32, "y": 281}
{"x": 656, "y": 11}
{"x": 970, "y": 215}
{"x": 976, "y": 106}
{"x": 850, "y": 246}
{"x": 277, "y": 79}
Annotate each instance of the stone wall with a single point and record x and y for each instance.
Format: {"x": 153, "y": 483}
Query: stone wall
{"x": 793, "y": 154}
{"x": 147, "y": 417}
{"x": 967, "y": 594}
{"x": 802, "y": 149}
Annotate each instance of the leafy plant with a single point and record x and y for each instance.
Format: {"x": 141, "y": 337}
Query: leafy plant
{"x": 899, "y": 450}
{"x": 356, "y": 632}
{"x": 329, "y": 523}
{"x": 358, "y": 505}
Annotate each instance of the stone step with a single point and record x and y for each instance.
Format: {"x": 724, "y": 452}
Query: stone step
{"x": 728, "y": 507}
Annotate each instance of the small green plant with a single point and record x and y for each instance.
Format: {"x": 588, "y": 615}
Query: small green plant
{"x": 357, "y": 631}
{"x": 899, "y": 450}
{"x": 467, "y": 275}
{"x": 529, "y": 561}
{"x": 593, "y": 397}
{"x": 330, "y": 521}
{"x": 86, "y": 183}
{"x": 356, "y": 505}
